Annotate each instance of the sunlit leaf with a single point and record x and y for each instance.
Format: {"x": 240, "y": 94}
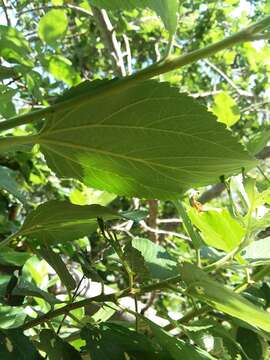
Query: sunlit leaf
{"x": 14, "y": 47}
{"x": 219, "y": 229}
{"x": 52, "y": 26}
{"x": 148, "y": 141}
{"x": 225, "y": 109}
{"x": 203, "y": 287}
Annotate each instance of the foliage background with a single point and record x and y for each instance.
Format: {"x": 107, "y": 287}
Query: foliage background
{"x": 46, "y": 47}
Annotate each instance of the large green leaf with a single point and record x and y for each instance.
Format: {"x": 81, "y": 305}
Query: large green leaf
{"x": 158, "y": 262}
{"x": 56, "y": 221}
{"x": 13, "y": 46}
{"x": 166, "y": 9}
{"x": 145, "y": 141}
{"x": 176, "y": 348}
{"x": 56, "y": 348}
{"x": 52, "y": 26}
{"x": 15, "y": 345}
{"x": 203, "y": 287}
{"x": 219, "y": 229}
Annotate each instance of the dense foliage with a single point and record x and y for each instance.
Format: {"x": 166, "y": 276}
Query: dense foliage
{"x": 134, "y": 180}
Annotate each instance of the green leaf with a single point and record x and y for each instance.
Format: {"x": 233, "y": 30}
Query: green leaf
{"x": 166, "y": 9}
{"x": 56, "y": 348}
{"x": 250, "y": 342}
{"x": 158, "y": 262}
{"x": 258, "y": 252}
{"x": 225, "y": 109}
{"x": 61, "y": 68}
{"x": 219, "y": 229}
{"x": 145, "y": 141}
{"x": 109, "y": 341}
{"x": 11, "y": 257}
{"x": 7, "y": 72}
{"x": 176, "y": 348}
{"x": 7, "y": 108}
{"x": 8, "y": 182}
{"x": 11, "y": 317}
{"x": 15, "y": 345}
{"x": 52, "y": 26}
{"x": 136, "y": 261}
{"x": 201, "y": 286}
{"x": 258, "y": 141}
{"x": 13, "y": 46}
{"x": 56, "y": 221}
{"x": 56, "y": 262}
{"x": 25, "y": 288}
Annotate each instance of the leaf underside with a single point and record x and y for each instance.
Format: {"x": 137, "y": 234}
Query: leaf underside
{"x": 145, "y": 141}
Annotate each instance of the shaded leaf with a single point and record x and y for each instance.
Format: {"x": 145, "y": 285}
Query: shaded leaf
{"x": 109, "y": 341}
{"x": 56, "y": 348}
{"x": 10, "y": 257}
{"x": 201, "y": 286}
{"x": 136, "y": 261}
{"x": 176, "y": 348}
{"x": 8, "y": 182}
{"x": 158, "y": 262}
{"x": 250, "y": 342}
{"x": 57, "y": 221}
{"x": 15, "y": 345}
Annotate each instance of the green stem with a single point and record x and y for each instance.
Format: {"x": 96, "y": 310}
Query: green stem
{"x": 195, "y": 237}
{"x": 164, "y": 66}
{"x": 100, "y": 298}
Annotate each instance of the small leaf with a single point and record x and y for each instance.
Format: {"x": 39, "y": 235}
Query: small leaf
{"x": 136, "y": 261}
{"x": 7, "y": 72}
{"x": 52, "y": 26}
{"x": 15, "y": 345}
{"x": 159, "y": 263}
{"x": 14, "y": 47}
{"x": 56, "y": 262}
{"x": 56, "y": 348}
{"x": 219, "y": 229}
{"x": 225, "y": 109}
{"x": 201, "y": 286}
{"x": 8, "y": 183}
{"x": 61, "y": 68}
{"x": 258, "y": 142}
{"x": 166, "y": 9}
